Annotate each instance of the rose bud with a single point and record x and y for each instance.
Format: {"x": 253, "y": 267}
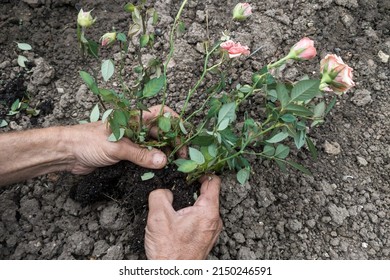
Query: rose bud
{"x": 84, "y": 19}
{"x": 234, "y": 49}
{"x": 108, "y": 38}
{"x": 336, "y": 75}
{"x": 303, "y": 50}
{"x": 242, "y": 11}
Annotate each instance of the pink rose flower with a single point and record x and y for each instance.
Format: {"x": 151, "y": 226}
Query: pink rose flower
{"x": 234, "y": 49}
{"x": 108, "y": 38}
{"x": 303, "y": 50}
{"x": 336, "y": 75}
{"x": 241, "y": 11}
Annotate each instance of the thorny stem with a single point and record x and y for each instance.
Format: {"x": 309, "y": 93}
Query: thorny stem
{"x": 171, "y": 50}
{"x": 279, "y": 62}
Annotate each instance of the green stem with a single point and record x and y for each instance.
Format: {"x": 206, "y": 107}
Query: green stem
{"x": 279, "y": 62}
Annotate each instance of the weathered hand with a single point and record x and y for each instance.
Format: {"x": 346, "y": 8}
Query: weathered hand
{"x": 189, "y": 233}
{"x": 91, "y": 148}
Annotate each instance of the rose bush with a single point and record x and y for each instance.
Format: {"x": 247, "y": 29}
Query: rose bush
{"x": 215, "y": 143}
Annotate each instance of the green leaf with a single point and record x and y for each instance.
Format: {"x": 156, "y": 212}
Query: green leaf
{"x": 227, "y": 111}
{"x": 153, "y": 87}
{"x": 299, "y": 110}
{"x": 121, "y": 37}
{"x": 213, "y": 150}
{"x": 305, "y": 90}
{"x": 90, "y": 82}
{"x": 299, "y": 167}
{"x": 278, "y": 137}
{"x": 120, "y": 117}
{"x": 245, "y": 89}
{"x": 108, "y": 69}
{"x": 223, "y": 125}
{"x": 106, "y": 114}
{"x": 134, "y": 29}
{"x": 288, "y": 118}
{"x": 107, "y": 95}
{"x": 186, "y": 166}
{"x": 181, "y": 27}
{"x": 196, "y": 155}
{"x": 299, "y": 138}
{"x": 93, "y": 48}
{"x": 129, "y": 8}
{"x": 147, "y": 176}
{"x": 203, "y": 140}
{"x": 3, "y": 123}
{"x": 243, "y": 176}
{"x": 312, "y": 148}
{"x": 183, "y": 128}
{"x": 155, "y": 18}
{"x": 24, "y": 46}
{"x": 164, "y": 123}
{"x": 144, "y": 40}
{"x": 281, "y": 164}
{"x": 282, "y": 151}
{"x": 268, "y": 150}
{"x": 319, "y": 110}
{"x": 95, "y": 114}
{"x": 282, "y": 94}
{"x": 16, "y": 105}
{"x": 115, "y": 138}
{"x": 22, "y": 61}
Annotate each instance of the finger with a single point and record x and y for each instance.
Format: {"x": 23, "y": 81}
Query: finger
{"x": 209, "y": 191}
{"x": 160, "y": 203}
{"x": 154, "y": 111}
{"x": 154, "y": 158}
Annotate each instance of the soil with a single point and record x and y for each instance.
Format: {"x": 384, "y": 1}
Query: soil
{"x": 341, "y": 212}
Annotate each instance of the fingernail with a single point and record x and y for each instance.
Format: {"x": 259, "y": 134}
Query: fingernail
{"x": 158, "y": 159}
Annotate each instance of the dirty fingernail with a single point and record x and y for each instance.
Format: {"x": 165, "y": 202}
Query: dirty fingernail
{"x": 158, "y": 159}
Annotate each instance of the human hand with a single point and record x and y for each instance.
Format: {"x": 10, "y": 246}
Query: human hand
{"x": 90, "y": 148}
{"x": 189, "y": 233}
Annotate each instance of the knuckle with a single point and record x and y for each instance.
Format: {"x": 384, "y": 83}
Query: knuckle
{"x": 141, "y": 155}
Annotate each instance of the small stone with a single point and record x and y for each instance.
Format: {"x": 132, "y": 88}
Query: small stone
{"x": 361, "y": 97}
{"x": 60, "y": 90}
{"x": 338, "y": 214}
{"x": 364, "y": 245}
{"x": 33, "y": 3}
{"x": 362, "y": 161}
{"x": 383, "y": 56}
{"x": 311, "y": 223}
{"x": 114, "y": 253}
{"x": 329, "y": 189}
{"x": 200, "y": 15}
{"x": 294, "y": 225}
{"x": 239, "y": 237}
{"x": 332, "y": 148}
{"x": 5, "y": 64}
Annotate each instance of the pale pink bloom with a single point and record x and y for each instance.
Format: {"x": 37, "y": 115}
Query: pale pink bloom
{"x": 108, "y": 38}
{"x": 336, "y": 75}
{"x": 303, "y": 50}
{"x": 235, "y": 49}
{"x": 85, "y": 19}
{"x": 241, "y": 11}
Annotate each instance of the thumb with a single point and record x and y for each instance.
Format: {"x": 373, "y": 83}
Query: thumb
{"x": 153, "y": 158}
{"x": 160, "y": 206}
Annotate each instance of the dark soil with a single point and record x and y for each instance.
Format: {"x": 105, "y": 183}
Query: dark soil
{"x": 123, "y": 184}
{"x": 341, "y": 212}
